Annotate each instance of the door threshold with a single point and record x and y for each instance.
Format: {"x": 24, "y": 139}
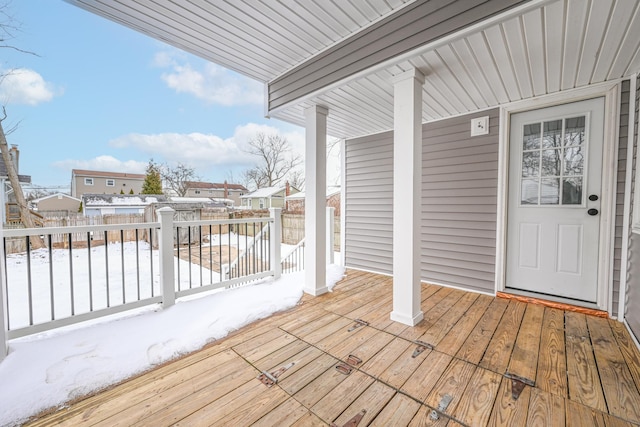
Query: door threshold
{"x": 554, "y": 304}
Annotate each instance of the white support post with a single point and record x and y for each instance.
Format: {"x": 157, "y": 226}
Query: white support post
{"x": 407, "y": 186}
{"x": 4, "y": 347}
{"x": 331, "y": 227}
{"x": 315, "y": 226}
{"x": 275, "y": 242}
{"x": 167, "y": 275}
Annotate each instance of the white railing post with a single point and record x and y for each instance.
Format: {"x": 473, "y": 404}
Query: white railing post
{"x": 331, "y": 230}
{"x": 275, "y": 242}
{"x": 165, "y": 246}
{"x": 3, "y": 301}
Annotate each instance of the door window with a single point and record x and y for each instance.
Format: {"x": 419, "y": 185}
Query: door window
{"x": 553, "y": 162}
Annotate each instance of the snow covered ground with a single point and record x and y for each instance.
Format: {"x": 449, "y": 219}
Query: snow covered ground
{"x": 46, "y": 370}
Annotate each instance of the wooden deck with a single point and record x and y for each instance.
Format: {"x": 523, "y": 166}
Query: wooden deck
{"x": 576, "y": 370}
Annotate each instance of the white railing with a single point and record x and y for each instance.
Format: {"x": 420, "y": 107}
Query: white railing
{"x": 252, "y": 257}
{"x": 96, "y": 271}
{"x": 294, "y": 260}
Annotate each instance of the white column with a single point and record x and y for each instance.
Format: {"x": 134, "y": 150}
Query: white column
{"x": 165, "y": 249}
{"x": 315, "y": 261}
{"x": 407, "y": 186}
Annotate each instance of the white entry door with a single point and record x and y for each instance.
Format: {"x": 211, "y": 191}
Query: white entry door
{"x": 553, "y": 218}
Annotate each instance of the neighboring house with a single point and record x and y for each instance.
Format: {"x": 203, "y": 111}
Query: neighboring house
{"x": 59, "y": 203}
{"x": 295, "y": 202}
{"x": 448, "y": 110}
{"x": 109, "y": 204}
{"x": 203, "y": 202}
{"x": 268, "y": 197}
{"x": 99, "y": 182}
{"x": 216, "y": 190}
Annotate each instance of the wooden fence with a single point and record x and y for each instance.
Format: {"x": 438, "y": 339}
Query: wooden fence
{"x": 292, "y": 228}
{"x": 16, "y": 245}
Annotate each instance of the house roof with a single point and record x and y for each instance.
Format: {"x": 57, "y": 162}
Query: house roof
{"x": 26, "y": 179}
{"x": 121, "y": 199}
{"x": 301, "y": 195}
{"x": 263, "y": 192}
{"x": 104, "y": 174}
{"x": 54, "y": 196}
{"x": 343, "y": 55}
{"x": 215, "y": 185}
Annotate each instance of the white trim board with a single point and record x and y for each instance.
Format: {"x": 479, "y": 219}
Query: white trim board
{"x": 610, "y": 91}
{"x": 627, "y": 220}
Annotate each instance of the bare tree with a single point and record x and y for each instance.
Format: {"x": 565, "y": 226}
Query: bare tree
{"x": 177, "y": 178}
{"x": 25, "y": 213}
{"x": 7, "y": 29}
{"x": 274, "y": 160}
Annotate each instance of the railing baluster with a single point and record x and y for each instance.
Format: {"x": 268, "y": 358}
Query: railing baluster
{"x": 178, "y": 257}
{"x": 220, "y": 250}
{"x": 90, "y": 271}
{"x": 200, "y": 250}
{"x": 151, "y": 259}
{"x": 137, "y": 265}
{"x": 246, "y": 248}
{"x": 106, "y": 261}
{"x": 210, "y": 255}
{"x": 29, "y": 290}
{"x": 51, "y": 300}
{"x": 269, "y": 247}
{"x": 124, "y": 290}
{"x": 73, "y": 296}
{"x": 189, "y": 253}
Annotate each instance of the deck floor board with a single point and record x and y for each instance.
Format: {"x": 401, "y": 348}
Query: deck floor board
{"x": 581, "y": 370}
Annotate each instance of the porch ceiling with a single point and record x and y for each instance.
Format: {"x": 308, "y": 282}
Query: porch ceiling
{"x": 542, "y": 48}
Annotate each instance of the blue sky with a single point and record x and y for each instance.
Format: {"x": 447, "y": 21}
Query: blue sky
{"x": 101, "y": 96}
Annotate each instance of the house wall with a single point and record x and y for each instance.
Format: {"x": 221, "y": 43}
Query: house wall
{"x": 459, "y": 202}
{"x": 632, "y": 305}
{"x": 100, "y": 186}
{"x": 59, "y": 204}
{"x": 369, "y": 203}
{"x": 216, "y": 193}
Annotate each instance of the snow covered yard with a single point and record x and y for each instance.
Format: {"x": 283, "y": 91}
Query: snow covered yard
{"x": 48, "y": 369}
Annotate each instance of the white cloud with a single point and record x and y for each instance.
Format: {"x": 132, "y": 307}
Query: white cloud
{"x": 203, "y": 151}
{"x": 103, "y": 163}
{"x": 24, "y": 86}
{"x": 211, "y": 83}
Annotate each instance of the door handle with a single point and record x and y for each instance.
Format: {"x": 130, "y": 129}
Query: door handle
{"x": 593, "y": 197}
{"x": 592, "y": 212}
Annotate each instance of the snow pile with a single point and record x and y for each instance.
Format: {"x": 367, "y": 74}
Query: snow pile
{"x": 49, "y": 369}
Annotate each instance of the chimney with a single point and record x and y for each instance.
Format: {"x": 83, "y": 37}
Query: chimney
{"x": 287, "y": 193}
{"x": 226, "y": 189}
{"x": 14, "y": 153}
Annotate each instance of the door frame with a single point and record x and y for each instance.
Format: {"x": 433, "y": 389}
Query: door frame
{"x": 610, "y": 91}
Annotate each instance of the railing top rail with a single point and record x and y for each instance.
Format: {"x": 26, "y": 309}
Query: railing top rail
{"x": 222, "y": 221}
{"x": 22, "y": 232}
